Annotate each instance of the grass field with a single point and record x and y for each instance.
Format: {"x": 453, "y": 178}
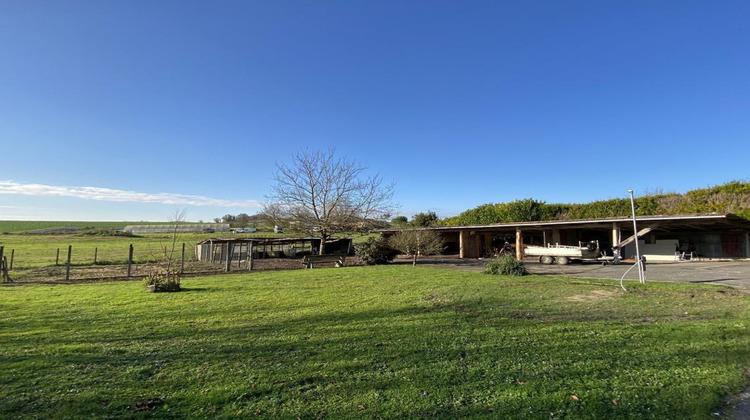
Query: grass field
{"x": 372, "y": 342}
{"x": 15, "y": 226}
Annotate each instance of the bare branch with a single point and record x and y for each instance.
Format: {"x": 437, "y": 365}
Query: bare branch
{"x": 324, "y": 194}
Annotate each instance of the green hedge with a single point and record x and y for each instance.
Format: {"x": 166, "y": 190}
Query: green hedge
{"x": 732, "y": 197}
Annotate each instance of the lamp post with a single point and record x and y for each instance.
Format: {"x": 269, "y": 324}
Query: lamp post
{"x": 639, "y": 261}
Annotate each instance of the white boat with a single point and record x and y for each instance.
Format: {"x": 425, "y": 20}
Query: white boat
{"x": 564, "y": 254}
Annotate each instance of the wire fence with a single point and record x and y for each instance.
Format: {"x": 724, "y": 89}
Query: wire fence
{"x": 81, "y": 263}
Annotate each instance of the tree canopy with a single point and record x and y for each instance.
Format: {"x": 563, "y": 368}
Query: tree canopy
{"x": 320, "y": 193}
{"x": 415, "y": 242}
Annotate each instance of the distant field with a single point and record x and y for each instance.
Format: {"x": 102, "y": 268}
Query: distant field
{"x": 372, "y": 342}
{"x": 14, "y": 226}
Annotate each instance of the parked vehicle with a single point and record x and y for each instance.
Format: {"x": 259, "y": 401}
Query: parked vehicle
{"x": 245, "y": 230}
{"x": 564, "y": 254}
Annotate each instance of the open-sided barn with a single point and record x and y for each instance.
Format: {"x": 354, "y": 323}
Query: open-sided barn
{"x": 661, "y": 238}
{"x": 218, "y": 249}
{"x": 180, "y": 228}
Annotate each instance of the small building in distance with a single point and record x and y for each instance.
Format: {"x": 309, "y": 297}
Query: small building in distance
{"x": 180, "y": 228}
{"x": 217, "y": 250}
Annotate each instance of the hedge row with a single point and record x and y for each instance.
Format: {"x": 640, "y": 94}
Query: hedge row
{"x": 732, "y": 197}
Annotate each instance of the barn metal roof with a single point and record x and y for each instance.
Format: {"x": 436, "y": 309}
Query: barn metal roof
{"x": 720, "y": 221}
{"x": 269, "y": 241}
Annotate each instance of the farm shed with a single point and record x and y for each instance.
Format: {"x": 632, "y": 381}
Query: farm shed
{"x": 180, "y": 228}
{"x": 661, "y": 238}
{"x": 216, "y": 249}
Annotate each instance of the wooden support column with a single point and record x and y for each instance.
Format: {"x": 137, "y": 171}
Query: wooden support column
{"x": 519, "y": 244}
{"x": 616, "y": 236}
{"x": 463, "y": 243}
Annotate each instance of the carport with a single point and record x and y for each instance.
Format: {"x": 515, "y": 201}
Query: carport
{"x": 707, "y": 236}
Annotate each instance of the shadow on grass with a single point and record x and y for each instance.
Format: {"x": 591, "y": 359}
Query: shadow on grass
{"x": 197, "y": 289}
{"x": 441, "y": 356}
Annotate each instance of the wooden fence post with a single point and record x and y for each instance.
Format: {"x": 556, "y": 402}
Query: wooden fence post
{"x": 57, "y": 258}
{"x": 96, "y": 251}
{"x": 12, "y": 255}
{"x": 67, "y": 264}
{"x": 130, "y": 259}
{"x": 239, "y": 256}
{"x": 229, "y": 256}
{"x": 250, "y": 256}
{"x": 4, "y": 267}
{"x": 182, "y": 261}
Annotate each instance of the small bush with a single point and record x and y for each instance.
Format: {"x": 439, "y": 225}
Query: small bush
{"x": 507, "y": 265}
{"x": 162, "y": 281}
{"x": 375, "y": 251}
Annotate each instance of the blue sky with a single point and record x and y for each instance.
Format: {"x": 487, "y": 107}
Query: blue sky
{"x": 127, "y": 110}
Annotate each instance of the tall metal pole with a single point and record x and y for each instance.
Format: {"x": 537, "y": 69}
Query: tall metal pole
{"x": 641, "y": 274}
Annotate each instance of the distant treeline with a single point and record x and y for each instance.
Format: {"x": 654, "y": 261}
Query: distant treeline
{"x": 732, "y": 197}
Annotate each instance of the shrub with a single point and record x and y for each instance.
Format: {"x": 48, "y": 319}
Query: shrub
{"x": 506, "y": 265}
{"x": 415, "y": 242}
{"x": 375, "y": 251}
{"x": 162, "y": 281}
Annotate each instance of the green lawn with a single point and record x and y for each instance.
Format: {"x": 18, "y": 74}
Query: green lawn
{"x": 371, "y": 342}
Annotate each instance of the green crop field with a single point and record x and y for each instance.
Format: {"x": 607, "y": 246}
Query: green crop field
{"x": 13, "y": 226}
{"x": 372, "y": 342}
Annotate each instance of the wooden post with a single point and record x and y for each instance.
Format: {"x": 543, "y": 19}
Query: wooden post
{"x": 96, "y": 251}
{"x": 4, "y": 267}
{"x": 616, "y": 238}
{"x": 130, "y": 258}
{"x": 229, "y": 256}
{"x": 250, "y": 256}
{"x": 67, "y": 264}
{"x": 57, "y": 258}
{"x": 239, "y": 255}
{"x": 12, "y": 254}
{"x": 182, "y": 261}
{"x": 463, "y": 243}
{"x": 4, "y": 270}
{"x": 519, "y": 244}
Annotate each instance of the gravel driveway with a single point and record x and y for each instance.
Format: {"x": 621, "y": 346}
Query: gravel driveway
{"x": 729, "y": 273}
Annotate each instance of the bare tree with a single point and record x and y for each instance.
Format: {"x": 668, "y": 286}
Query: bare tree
{"x": 176, "y": 220}
{"x": 416, "y": 242}
{"x": 322, "y": 194}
